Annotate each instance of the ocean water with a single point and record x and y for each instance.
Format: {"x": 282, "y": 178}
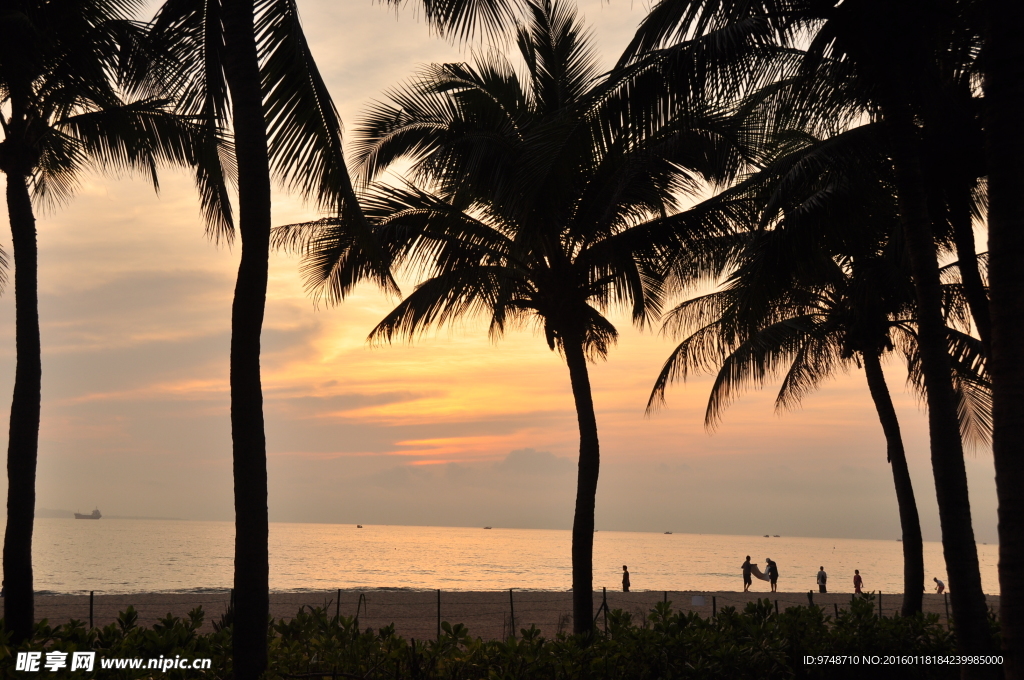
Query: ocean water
{"x": 130, "y": 556}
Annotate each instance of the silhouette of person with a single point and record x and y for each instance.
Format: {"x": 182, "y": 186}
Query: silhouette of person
{"x": 746, "y": 574}
{"x": 940, "y": 587}
{"x": 822, "y": 579}
{"x": 858, "y": 582}
{"x": 625, "y": 579}
{"x": 772, "y": 572}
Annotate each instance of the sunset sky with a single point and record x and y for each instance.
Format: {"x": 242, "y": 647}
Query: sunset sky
{"x": 452, "y": 430}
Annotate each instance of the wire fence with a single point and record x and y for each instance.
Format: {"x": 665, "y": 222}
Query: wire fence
{"x": 488, "y": 614}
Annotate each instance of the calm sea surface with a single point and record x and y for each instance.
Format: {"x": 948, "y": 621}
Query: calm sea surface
{"x": 127, "y": 556}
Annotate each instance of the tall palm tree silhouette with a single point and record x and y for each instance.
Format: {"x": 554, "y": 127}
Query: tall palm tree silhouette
{"x": 535, "y": 203}
{"x": 246, "y": 64}
{"x": 821, "y": 286}
{"x": 79, "y": 89}
{"x": 888, "y": 61}
{"x": 1004, "y": 109}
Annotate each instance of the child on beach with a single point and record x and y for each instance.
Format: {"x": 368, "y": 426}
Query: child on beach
{"x": 746, "y": 567}
{"x": 858, "y": 582}
{"x": 625, "y": 579}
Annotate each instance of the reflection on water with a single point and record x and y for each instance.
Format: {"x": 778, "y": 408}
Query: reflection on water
{"x": 122, "y": 556}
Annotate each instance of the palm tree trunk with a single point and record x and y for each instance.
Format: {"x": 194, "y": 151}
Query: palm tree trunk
{"x": 23, "y": 443}
{"x": 249, "y": 448}
{"x": 1004, "y": 95}
{"x": 586, "y": 488}
{"x": 970, "y": 613}
{"x": 910, "y": 523}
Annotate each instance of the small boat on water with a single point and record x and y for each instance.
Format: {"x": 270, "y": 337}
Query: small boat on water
{"x": 95, "y": 514}
{"x": 668, "y": 533}
{"x": 767, "y": 536}
{"x": 359, "y": 526}
{"x": 777, "y": 536}
{"x": 486, "y": 527}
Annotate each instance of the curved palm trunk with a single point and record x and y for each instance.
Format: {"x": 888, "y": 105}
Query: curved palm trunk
{"x": 22, "y": 447}
{"x": 958, "y": 547}
{"x": 249, "y": 448}
{"x": 586, "y": 489}
{"x": 910, "y": 523}
{"x": 1004, "y": 92}
{"x": 970, "y": 275}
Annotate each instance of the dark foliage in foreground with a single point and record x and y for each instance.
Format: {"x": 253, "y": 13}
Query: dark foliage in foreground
{"x": 754, "y": 643}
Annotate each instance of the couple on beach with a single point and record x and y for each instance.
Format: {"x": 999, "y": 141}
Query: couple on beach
{"x": 771, "y": 573}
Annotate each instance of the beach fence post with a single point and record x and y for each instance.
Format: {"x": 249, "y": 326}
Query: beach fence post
{"x": 945, "y": 597}
{"x": 666, "y": 597}
{"x": 92, "y": 594}
{"x": 879, "y": 604}
{"x": 439, "y": 614}
{"x": 714, "y": 606}
{"x": 360, "y": 601}
{"x": 337, "y": 606}
{"x": 512, "y": 613}
{"x": 776, "y": 607}
{"x": 810, "y": 597}
{"x": 604, "y": 606}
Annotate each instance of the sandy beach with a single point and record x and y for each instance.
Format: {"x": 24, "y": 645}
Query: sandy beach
{"x": 415, "y": 613}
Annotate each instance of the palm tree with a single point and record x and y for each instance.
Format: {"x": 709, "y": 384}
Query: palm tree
{"x": 247, "y": 64}
{"x": 532, "y": 203}
{"x": 1004, "y": 102}
{"x": 820, "y": 286}
{"x": 249, "y": 68}
{"x": 79, "y": 90}
{"x": 880, "y": 60}
{"x": 813, "y": 333}
{"x": 808, "y": 335}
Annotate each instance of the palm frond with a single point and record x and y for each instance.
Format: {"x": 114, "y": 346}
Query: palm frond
{"x": 462, "y": 18}
{"x": 465, "y": 293}
{"x": 304, "y": 129}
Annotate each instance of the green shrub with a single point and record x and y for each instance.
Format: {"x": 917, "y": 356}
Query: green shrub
{"x": 756, "y": 643}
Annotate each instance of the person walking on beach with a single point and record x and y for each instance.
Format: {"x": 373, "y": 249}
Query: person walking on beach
{"x": 625, "y": 579}
{"x": 773, "y": 572}
{"x": 940, "y": 587}
{"x": 858, "y": 582}
{"x": 822, "y": 579}
{"x": 746, "y": 566}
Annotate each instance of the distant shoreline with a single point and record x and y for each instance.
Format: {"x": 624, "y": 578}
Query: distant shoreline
{"x": 414, "y": 613}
